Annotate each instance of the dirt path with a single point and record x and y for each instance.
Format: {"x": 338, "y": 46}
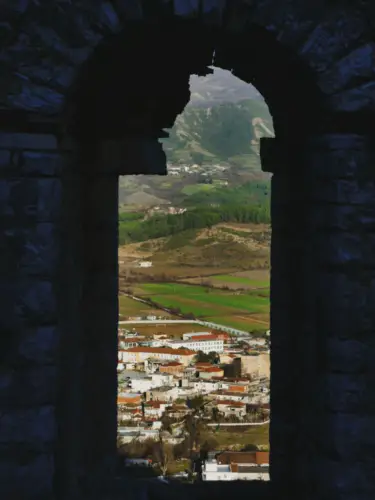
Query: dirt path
{"x": 256, "y": 320}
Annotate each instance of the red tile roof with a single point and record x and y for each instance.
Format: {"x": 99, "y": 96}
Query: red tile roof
{"x": 204, "y": 337}
{"x": 244, "y": 457}
{"x": 230, "y": 403}
{"x": 213, "y": 369}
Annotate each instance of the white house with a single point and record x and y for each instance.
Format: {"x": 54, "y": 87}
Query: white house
{"x": 212, "y": 471}
{"x": 228, "y": 408}
{"x": 155, "y": 409}
{"x": 145, "y": 263}
{"x": 231, "y": 396}
{"x": 205, "y": 386}
{"x": 234, "y": 466}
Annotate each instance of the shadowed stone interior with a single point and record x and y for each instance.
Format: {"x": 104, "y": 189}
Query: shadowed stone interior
{"x": 71, "y": 122}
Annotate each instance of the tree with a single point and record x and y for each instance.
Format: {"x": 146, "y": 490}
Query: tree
{"x": 166, "y": 422}
{"x": 209, "y": 444}
{"x": 196, "y": 402}
{"x": 215, "y": 414}
{"x": 181, "y": 450}
{"x": 197, "y": 157}
{"x": 193, "y": 428}
{"x": 162, "y": 454}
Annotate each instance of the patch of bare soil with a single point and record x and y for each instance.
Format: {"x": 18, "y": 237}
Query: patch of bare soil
{"x": 255, "y": 274}
{"x": 251, "y": 228}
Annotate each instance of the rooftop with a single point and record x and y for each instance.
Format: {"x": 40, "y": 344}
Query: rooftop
{"x": 162, "y": 350}
{"x": 237, "y": 404}
{"x": 244, "y": 457}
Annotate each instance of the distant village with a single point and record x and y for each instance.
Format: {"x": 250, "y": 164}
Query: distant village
{"x": 205, "y": 170}
{"x": 161, "y": 377}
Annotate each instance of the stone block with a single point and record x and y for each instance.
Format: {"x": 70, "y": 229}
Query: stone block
{"x": 349, "y": 356}
{"x": 35, "y": 427}
{"x": 30, "y": 481}
{"x": 39, "y": 345}
{"x": 347, "y": 437}
{"x": 325, "y": 43}
{"x": 342, "y": 161}
{"x": 347, "y": 393}
{"x": 357, "y": 65}
{"x": 28, "y": 387}
{"x": 31, "y": 198}
{"x": 336, "y": 288}
{"x": 28, "y": 303}
{"x": 40, "y": 163}
{"x": 5, "y": 159}
{"x": 343, "y": 192}
{"x": 361, "y": 98}
{"x": 33, "y": 250}
{"x": 28, "y": 141}
{"x": 344, "y": 249}
{"x": 346, "y": 218}
{"x": 36, "y": 302}
{"x": 343, "y": 480}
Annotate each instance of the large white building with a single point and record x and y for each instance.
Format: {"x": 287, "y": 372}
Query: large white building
{"x": 191, "y": 335}
{"x": 234, "y": 466}
{"x": 204, "y": 343}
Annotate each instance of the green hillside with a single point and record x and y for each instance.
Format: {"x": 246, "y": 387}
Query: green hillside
{"x": 215, "y": 134}
{"x": 220, "y": 135}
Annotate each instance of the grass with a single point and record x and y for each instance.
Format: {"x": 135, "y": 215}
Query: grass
{"x": 196, "y": 188}
{"x": 130, "y": 307}
{"x": 258, "y": 435}
{"x": 246, "y": 325}
{"x": 224, "y": 307}
{"x": 228, "y": 278}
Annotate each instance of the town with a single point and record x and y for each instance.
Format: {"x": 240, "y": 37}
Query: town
{"x": 193, "y": 405}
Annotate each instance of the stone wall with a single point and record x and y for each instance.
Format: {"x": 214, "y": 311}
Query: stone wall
{"x": 322, "y": 319}
{"x": 30, "y": 204}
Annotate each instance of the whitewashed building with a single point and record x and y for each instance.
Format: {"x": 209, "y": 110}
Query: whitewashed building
{"x": 234, "y": 466}
{"x": 199, "y": 343}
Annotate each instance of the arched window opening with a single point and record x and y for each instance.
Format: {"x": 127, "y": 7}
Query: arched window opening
{"x": 194, "y": 292}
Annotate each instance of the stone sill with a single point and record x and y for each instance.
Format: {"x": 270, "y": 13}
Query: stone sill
{"x": 122, "y": 489}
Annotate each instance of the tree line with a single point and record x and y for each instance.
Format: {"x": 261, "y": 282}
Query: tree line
{"x": 198, "y": 218}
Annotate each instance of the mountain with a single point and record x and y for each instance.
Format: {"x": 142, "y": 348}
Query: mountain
{"x": 214, "y": 142}
{"x": 218, "y": 133}
{"x": 219, "y": 87}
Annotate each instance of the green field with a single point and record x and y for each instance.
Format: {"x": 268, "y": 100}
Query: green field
{"x": 229, "y": 278}
{"x": 130, "y": 307}
{"x": 196, "y": 188}
{"x": 257, "y": 435}
{"x": 245, "y": 310}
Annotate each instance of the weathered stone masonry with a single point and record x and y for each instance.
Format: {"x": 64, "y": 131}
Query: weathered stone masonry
{"x": 58, "y": 266}
{"x": 30, "y": 212}
{"x": 323, "y": 316}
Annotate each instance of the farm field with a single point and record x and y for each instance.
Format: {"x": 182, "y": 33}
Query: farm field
{"x": 171, "y": 272}
{"x": 130, "y": 307}
{"x": 246, "y": 310}
{"x": 250, "y": 280}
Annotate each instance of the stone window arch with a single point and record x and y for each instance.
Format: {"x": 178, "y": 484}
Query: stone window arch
{"x": 60, "y": 247}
